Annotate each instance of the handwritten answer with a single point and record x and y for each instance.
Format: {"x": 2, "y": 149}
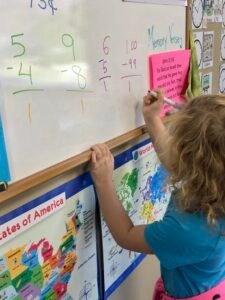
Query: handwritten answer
{"x": 75, "y": 71}
{"x": 105, "y": 73}
{"x": 130, "y": 66}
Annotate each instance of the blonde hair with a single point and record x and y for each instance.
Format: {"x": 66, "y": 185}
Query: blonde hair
{"x": 198, "y": 156}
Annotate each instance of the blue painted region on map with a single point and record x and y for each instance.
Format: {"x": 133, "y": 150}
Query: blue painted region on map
{"x": 30, "y": 259}
{"x": 4, "y": 166}
{"x": 66, "y": 278}
{"x": 158, "y": 184}
{"x": 155, "y": 188}
{"x": 46, "y": 289}
{"x": 54, "y": 278}
{"x": 3, "y": 265}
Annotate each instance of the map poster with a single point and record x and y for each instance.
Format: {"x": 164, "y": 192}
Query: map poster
{"x": 48, "y": 246}
{"x": 140, "y": 183}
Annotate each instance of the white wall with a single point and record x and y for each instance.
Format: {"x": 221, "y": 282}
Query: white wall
{"x": 140, "y": 285}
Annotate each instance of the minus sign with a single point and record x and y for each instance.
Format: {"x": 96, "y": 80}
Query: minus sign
{"x": 105, "y": 77}
{"x": 64, "y": 70}
{"x": 9, "y": 68}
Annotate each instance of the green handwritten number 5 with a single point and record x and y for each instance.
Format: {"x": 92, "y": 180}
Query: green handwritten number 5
{"x": 14, "y": 43}
{"x": 21, "y": 51}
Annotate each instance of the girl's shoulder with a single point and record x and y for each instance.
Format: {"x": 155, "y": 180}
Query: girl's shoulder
{"x": 189, "y": 222}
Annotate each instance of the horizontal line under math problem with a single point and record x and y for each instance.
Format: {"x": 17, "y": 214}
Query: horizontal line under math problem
{"x": 28, "y": 90}
{"x": 105, "y": 77}
{"x": 127, "y": 76}
{"x": 80, "y": 91}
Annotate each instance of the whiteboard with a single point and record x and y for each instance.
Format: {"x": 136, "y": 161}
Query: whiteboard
{"x": 164, "y": 2}
{"x": 73, "y": 73}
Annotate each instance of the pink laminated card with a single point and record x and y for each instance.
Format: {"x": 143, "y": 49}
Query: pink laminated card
{"x": 169, "y": 71}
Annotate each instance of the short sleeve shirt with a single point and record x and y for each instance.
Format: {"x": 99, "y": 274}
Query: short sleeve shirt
{"x": 190, "y": 251}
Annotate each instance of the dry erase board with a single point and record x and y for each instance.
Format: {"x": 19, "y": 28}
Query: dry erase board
{"x": 73, "y": 73}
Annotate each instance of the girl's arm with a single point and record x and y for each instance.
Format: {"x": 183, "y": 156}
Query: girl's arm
{"x": 120, "y": 225}
{"x": 156, "y": 128}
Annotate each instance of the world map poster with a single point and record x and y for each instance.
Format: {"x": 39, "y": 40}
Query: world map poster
{"x": 140, "y": 184}
{"x": 48, "y": 246}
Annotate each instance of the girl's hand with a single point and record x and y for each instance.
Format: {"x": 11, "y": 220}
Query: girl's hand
{"x": 102, "y": 164}
{"x": 152, "y": 106}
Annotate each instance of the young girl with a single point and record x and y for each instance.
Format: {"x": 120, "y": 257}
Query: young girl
{"x": 190, "y": 240}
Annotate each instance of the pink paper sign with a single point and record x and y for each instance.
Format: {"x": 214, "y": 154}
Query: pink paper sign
{"x": 169, "y": 71}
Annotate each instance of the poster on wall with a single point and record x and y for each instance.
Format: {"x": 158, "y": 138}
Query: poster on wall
{"x": 222, "y": 79}
{"x": 209, "y": 10}
{"x": 169, "y": 71}
{"x": 48, "y": 246}
{"x": 206, "y": 83}
{"x": 223, "y": 13}
{"x": 222, "y": 46}
{"x": 213, "y": 10}
{"x": 208, "y": 46}
{"x": 218, "y": 10}
{"x": 139, "y": 180}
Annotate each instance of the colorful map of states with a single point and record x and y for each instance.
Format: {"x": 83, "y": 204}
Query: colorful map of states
{"x": 23, "y": 277}
{"x": 127, "y": 188}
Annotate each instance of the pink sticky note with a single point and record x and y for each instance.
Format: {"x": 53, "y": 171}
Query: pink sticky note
{"x": 169, "y": 71}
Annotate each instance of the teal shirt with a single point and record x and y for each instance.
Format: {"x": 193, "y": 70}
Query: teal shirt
{"x": 191, "y": 253}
